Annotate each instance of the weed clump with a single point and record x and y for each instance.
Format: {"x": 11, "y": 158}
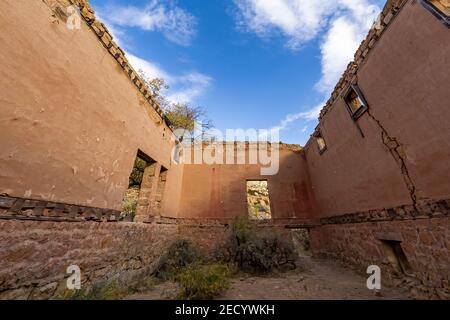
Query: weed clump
{"x": 105, "y": 290}
{"x": 129, "y": 204}
{"x": 202, "y": 282}
{"x": 183, "y": 264}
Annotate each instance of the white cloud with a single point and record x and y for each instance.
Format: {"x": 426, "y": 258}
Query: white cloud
{"x": 340, "y": 24}
{"x": 116, "y": 33}
{"x": 152, "y": 70}
{"x": 298, "y": 20}
{"x": 184, "y": 88}
{"x": 177, "y": 25}
{"x": 189, "y": 87}
{"x": 308, "y": 115}
{"x": 342, "y": 40}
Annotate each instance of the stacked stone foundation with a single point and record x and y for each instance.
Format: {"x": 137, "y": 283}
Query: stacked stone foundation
{"x": 359, "y": 240}
{"x": 36, "y": 250}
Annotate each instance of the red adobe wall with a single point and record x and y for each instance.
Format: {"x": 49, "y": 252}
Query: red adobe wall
{"x": 72, "y": 121}
{"x": 393, "y": 184}
{"x": 404, "y": 80}
{"x": 219, "y": 191}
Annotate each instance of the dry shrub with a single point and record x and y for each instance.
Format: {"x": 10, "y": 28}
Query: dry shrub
{"x": 180, "y": 253}
{"x": 256, "y": 253}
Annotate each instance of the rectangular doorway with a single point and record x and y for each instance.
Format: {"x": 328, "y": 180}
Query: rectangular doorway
{"x": 258, "y": 200}
{"x": 136, "y": 195}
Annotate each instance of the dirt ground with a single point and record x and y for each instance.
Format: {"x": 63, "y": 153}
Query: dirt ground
{"x": 314, "y": 279}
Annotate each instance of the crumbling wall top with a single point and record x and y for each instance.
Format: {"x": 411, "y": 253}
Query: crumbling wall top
{"x": 390, "y": 10}
{"x": 106, "y": 38}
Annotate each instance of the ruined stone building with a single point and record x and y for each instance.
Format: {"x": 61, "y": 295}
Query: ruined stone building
{"x": 371, "y": 186}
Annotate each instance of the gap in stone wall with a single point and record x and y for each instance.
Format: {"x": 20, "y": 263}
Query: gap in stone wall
{"x": 258, "y": 200}
{"x": 396, "y": 257}
{"x": 139, "y": 187}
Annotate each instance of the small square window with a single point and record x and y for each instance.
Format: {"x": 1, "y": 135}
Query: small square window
{"x": 396, "y": 257}
{"x": 439, "y": 8}
{"x": 321, "y": 144}
{"x": 442, "y": 5}
{"x": 355, "y": 101}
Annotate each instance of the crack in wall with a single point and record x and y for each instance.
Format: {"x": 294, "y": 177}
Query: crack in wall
{"x": 396, "y": 150}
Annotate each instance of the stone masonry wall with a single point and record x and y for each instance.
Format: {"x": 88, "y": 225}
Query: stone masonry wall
{"x": 383, "y": 180}
{"x": 208, "y": 234}
{"x": 425, "y": 243}
{"x": 34, "y": 255}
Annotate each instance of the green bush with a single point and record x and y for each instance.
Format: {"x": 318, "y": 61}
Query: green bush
{"x": 202, "y": 282}
{"x": 100, "y": 291}
{"x": 179, "y": 254}
{"x": 256, "y": 253}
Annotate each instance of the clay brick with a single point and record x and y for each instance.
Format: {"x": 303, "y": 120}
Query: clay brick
{"x": 132, "y": 74}
{"x": 107, "y": 40}
{"x": 98, "y": 28}
{"x": 137, "y": 82}
{"x": 125, "y": 63}
{"x": 114, "y": 50}
{"x": 88, "y": 14}
{"x": 387, "y": 19}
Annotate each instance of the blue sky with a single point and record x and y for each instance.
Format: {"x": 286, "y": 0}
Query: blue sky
{"x": 262, "y": 64}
